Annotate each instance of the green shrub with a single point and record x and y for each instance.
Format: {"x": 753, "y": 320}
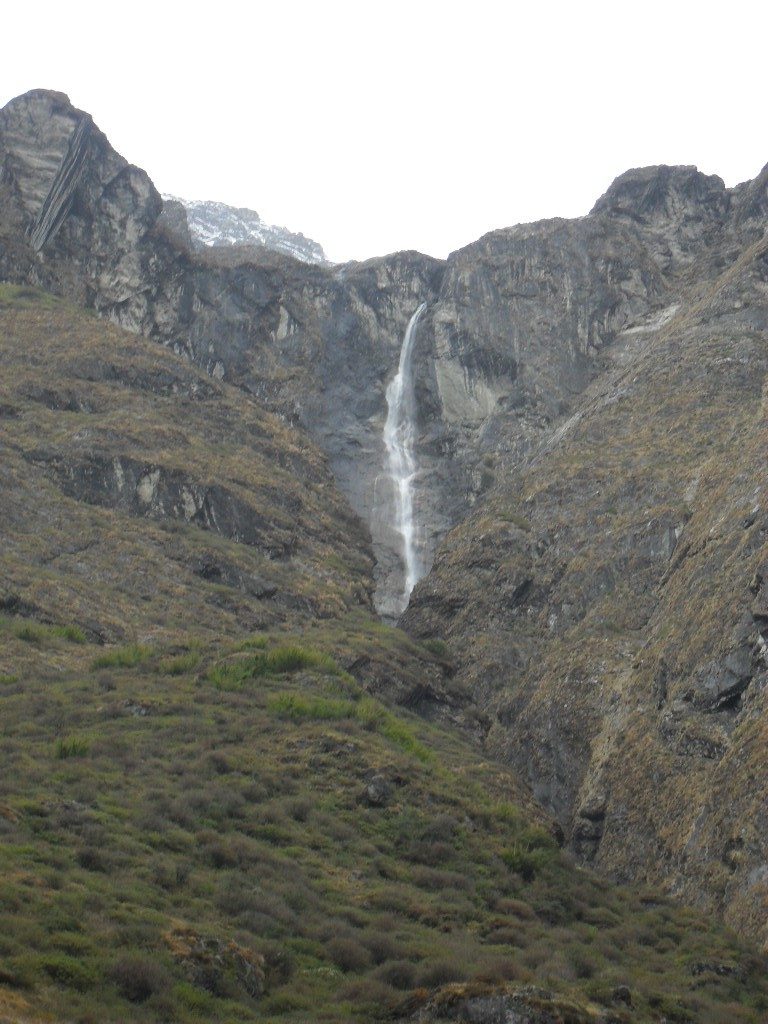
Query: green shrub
{"x": 123, "y": 657}
{"x": 35, "y": 633}
{"x": 17, "y": 974}
{"x": 179, "y": 665}
{"x": 400, "y": 974}
{"x": 279, "y": 962}
{"x": 296, "y": 706}
{"x": 534, "y": 837}
{"x": 402, "y": 736}
{"x": 192, "y": 998}
{"x": 24, "y": 296}
{"x": 510, "y": 814}
{"x": 283, "y": 660}
{"x": 441, "y": 972}
{"x": 348, "y": 955}
{"x": 74, "y": 634}
{"x": 381, "y": 947}
{"x": 437, "y": 647}
{"x": 137, "y": 978}
{"x": 31, "y": 632}
{"x": 525, "y": 863}
{"x": 253, "y": 643}
{"x": 73, "y": 746}
{"x": 374, "y": 716}
{"x": 534, "y": 848}
{"x": 73, "y": 943}
{"x": 69, "y": 971}
{"x": 671, "y": 1008}
{"x": 92, "y": 859}
{"x": 230, "y": 675}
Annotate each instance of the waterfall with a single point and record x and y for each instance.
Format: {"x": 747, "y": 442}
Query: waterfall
{"x": 399, "y": 432}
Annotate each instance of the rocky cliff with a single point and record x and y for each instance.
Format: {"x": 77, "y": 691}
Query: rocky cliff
{"x": 591, "y": 413}
{"x": 138, "y": 491}
{"x": 316, "y": 343}
{"x": 607, "y": 600}
{"x": 513, "y": 324}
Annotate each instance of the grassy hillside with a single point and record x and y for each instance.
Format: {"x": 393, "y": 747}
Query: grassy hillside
{"x": 136, "y": 486}
{"x": 239, "y": 832}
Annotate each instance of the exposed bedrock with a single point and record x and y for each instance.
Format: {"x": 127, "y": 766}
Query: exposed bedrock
{"x": 606, "y": 603}
{"x": 511, "y": 335}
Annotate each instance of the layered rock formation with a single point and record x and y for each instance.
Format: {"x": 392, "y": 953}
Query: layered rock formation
{"x": 136, "y": 491}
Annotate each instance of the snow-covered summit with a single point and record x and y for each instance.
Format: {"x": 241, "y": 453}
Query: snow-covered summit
{"x": 212, "y": 223}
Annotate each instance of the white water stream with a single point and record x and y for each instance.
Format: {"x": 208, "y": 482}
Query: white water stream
{"x": 399, "y": 433}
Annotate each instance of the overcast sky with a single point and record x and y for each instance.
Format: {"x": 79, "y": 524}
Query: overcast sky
{"x": 373, "y": 127}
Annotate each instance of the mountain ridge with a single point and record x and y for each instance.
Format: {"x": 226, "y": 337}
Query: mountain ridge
{"x": 213, "y": 223}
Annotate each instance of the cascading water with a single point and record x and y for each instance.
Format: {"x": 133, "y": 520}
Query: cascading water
{"x": 399, "y": 433}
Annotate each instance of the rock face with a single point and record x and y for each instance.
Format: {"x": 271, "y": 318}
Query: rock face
{"x": 591, "y": 412}
{"x": 607, "y": 598}
{"x": 317, "y": 344}
{"x": 510, "y": 334}
{"x": 482, "y": 1004}
{"x": 215, "y": 224}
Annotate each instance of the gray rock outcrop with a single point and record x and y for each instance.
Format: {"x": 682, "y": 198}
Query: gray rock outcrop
{"x": 313, "y": 342}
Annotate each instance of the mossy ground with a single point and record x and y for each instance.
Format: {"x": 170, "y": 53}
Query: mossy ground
{"x": 143, "y": 800}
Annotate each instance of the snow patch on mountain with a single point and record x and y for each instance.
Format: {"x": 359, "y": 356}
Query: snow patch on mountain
{"x": 216, "y": 224}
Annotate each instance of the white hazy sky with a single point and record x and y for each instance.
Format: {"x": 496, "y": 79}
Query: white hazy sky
{"x": 377, "y": 126}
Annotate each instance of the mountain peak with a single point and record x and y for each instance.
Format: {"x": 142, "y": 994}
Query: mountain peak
{"x": 213, "y": 223}
{"x": 644, "y": 192}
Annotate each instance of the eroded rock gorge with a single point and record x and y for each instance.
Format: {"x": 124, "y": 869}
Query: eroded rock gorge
{"x": 591, "y": 417}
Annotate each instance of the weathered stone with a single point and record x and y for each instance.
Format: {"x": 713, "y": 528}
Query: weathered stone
{"x": 622, "y": 994}
{"x": 377, "y": 792}
{"x": 216, "y": 224}
{"x": 478, "y": 1004}
{"x": 215, "y": 964}
{"x": 504, "y": 345}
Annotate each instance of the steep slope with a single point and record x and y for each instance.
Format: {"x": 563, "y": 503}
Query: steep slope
{"x": 511, "y": 334}
{"x": 314, "y": 342}
{"x": 608, "y": 602}
{"x": 129, "y": 476}
{"x": 235, "y": 832}
{"x": 140, "y": 496}
{"x": 216, "y": 817}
